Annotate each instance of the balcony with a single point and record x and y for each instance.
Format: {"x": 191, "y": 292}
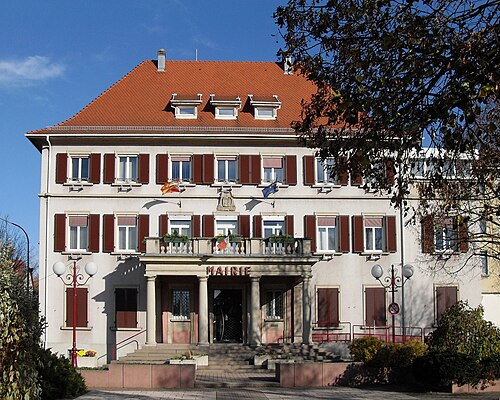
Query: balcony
{"x": 256, "y": 247}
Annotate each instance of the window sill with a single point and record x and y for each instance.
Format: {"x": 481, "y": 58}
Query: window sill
{"x": 127, "y": 184}
{"x": 222, "y": 184}
{"x": 326, "y": 186}
{"x": 77, "y": 183}
{"x": 278, "y": 184}
{"x": 180, "y": 320}
{"x": 78, "y": 328}
{"x": 76, "y": 252}
{"x": 374, "y": 253}
{"x": 277, "y": 319}
{"x": 116, "y": 329}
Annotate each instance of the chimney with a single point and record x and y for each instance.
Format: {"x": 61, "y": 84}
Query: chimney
{"x": 287, "y": 65}
{"x": 161, "y": 60}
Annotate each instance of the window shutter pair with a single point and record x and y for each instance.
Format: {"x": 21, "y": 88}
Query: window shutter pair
{"x": 446, "y": 296}
{"x": 62, "y": 168}
{"x": 343, "y": 232}
{"x": 375, "y": 307}
{"x": 309, "y": 175}
{"x": 109, "y": 168}
{"x": 250, "y": 169}
{"x": 203, "y": 169}
{"x": 358, "y": 233}
{"x": 126, "y": 307}
{"x": 328, "y": 306}
{"x": 81, "y": 307}
{"x": 428, "y": 234}
{"x": 60, "y": 228}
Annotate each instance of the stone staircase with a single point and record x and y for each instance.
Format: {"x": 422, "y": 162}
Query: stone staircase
{"x": 298, "y": 352}
{"x": 161, "y": 353}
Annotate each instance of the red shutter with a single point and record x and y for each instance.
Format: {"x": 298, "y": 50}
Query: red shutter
{"x": 310, "y": 230}
{"x": 109, "y": 168}
{"x": 328, "y": 306}
{"x": 143, "y": 230}
{"x": 291, "y": 170}
{"x": 163, "y": 225}
{"x": 427, "y": 227}
{"x": 95, "y": 168}
{"x": 308, "y": 170}
{"x": 61, "y": 167}
{"x": 463, "y": 237}
{"x": 94, "y": 233}
{"x": 343, "y": 177}
{"x": 446, "y": 296}
{"x": 356, "y": 178}
{"x": 389, "y": 171}
{"x": 144, "y": 168}
{"x": 375, "y": 307}
{"x": 208, "y": 169}
{"x": 250, "y": 169}
{"x": 244, "y": 169}
{"x": 244, "y": 223}
{"x": 161, "y": 168}
{"x": 391, "y": 233}
{"x": 257, "y": 226}
{"x": 289, "y": 225}
{"x": 358, "y": 244}
{"x": 255, "y": 170}
{"x": 59, "y": 232}
{"x": 81, "y": 307}
{"x": 344, "y": 233}
{"x": 208, "y": 226}
{"x": 197, "y": 169}
{"x": 196, "y": 226}
{"x": 108, "y": 228}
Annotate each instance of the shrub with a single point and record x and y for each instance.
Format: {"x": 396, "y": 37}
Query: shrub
{"x": 365, "y": 349}
{"x": 58, "y": 378}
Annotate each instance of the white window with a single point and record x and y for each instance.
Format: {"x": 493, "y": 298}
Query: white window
{"x": 181, "y": 304}
{"x": 446, "y": 235}
{"x": 374, "y": 233}
{"x": 127, "y": 169}
{"x": 324, "y": 171}
{"x": 180, "y": 224}
{"x": 274, "y": 227}
{"x": 78, "y": 232}
{"x": 227, "y": 169}
{"x": 186, "y": 112}
{"x": 127, "y": 233}
{"x": 80, "y": 168}
{"x": 226, "y": 112}
{"x": 273, "y": 169}
{"x": 483, "y": 258}
{"x": 226, "y": 225}
{"x": 327, "y": 233}
{"x": 181, "y": 168}
{"x": 274, "y": 300}
{"x": 265, "y": 112}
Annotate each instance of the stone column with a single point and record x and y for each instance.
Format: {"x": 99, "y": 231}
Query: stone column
{"x": 306, "y": 310}
{"x": 254, "y": 336}
{"x": 151, "y": 311}
{"x": 203, "y": 310}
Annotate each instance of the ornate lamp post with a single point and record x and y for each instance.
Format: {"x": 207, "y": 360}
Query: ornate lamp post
{"x": 74, "y": 279}
{"x": 393, "y": 282}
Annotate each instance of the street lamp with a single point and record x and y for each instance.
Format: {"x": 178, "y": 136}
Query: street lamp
{"x": 393, "y": 282}
{"x": 28, "y": 269}
{"x": 74, "y": 279}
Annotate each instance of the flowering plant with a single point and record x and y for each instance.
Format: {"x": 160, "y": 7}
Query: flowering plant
{"x": 86, "y": 353}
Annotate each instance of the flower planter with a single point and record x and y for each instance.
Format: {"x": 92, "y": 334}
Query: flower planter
{"x": 86, "y": 362}
{"x": 183, "y": 361}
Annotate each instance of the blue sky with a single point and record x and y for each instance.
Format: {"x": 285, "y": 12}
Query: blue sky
{"x": 58, "y": 55}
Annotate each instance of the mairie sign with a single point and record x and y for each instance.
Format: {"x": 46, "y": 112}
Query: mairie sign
{"x": 228, "y": 271}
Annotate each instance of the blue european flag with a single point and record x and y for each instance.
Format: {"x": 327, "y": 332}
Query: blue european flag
{"x": 268, "y": 190}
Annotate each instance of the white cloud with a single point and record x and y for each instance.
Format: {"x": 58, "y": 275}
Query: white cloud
{"x": 29, "y": 71}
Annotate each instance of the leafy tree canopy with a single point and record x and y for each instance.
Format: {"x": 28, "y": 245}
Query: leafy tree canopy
{"x": 394, "y": 76}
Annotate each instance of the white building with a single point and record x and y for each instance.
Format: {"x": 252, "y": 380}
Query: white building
{"x": 222, "y": 130}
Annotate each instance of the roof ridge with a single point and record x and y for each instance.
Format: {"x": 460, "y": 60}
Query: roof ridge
{"x": 222, "y": 61}
{"x": 102, "y": 94}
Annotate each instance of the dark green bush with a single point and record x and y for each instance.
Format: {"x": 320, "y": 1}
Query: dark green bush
{"x": 58, "y": 378}
{"x": 365, "y": 349}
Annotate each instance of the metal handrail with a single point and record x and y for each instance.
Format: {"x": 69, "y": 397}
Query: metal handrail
{"x": 115, "y": 347}
{"x": 333, "y": 332}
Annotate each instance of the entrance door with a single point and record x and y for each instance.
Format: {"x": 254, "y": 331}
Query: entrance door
{"x": 228, "y": 315}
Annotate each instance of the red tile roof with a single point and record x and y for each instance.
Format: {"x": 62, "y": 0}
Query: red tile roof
{"x": 142, "y": 97}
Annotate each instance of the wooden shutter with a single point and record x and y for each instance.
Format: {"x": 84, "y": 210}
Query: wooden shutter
{"x": 310, "y": 230}
{"x": 446, "y": 296}
{"x": 161, "y": 168}
{"x": 328, "y": 306}
{"x": 463, "y": 237}
{"x": 208, "y": 226}
{"x": 250, "y": 169}
{"x": 126, "y": 307}
{"x": 197, "y": 169}
{"x": 356, "y": 178}
{"x": 108, "y": 228}
{"x": 163, "y": 225}
{"x": 109, "y": 168}
{"x": 59, "y": 232}
{"x": 289, "y": 225}
{"x": 143, "y": 230}
{"x": 208, "y": 169}
{"x": 291, "y": 170}
{"x": 195, "y": 220}
{"x": 309, "y": 170}
{"x": 427, "y": 227}
{"x": 94, "y": 233}
{"x": 244, "y": 224}
{"x": 81, "y": 307}
{"x": 344, "y": 233}
{"x": 375, "y": 307}
{"x": 257, "y": 226}
{"x": 389, "y": 171}
{"x": 358, "y": 243}
{"x": 95, "y": 168}
{"x": 61, "y": 167}
{"x": 343, "y": 177}
{"x": 144, "y": 168}
{"x": 391, "y": 233}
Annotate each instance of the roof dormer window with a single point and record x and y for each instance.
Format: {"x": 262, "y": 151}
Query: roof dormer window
{"x": 186, "y": 107}
{"x": 225, "y": 108}
{"x": 265, "y": 108}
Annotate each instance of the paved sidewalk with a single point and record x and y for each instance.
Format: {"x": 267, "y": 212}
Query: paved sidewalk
{"x": 278, "y": 394}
